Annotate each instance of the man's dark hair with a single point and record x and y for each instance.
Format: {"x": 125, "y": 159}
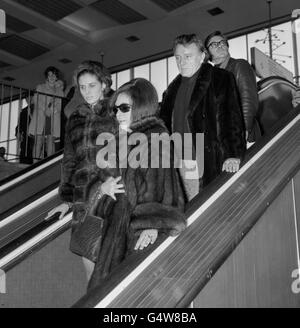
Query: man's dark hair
{"x": 211, "y": 35}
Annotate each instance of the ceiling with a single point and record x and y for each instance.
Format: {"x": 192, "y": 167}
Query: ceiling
{"x": 62, "y": 33}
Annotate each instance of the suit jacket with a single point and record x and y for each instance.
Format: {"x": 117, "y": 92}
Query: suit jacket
{"x": 215, "y": 111}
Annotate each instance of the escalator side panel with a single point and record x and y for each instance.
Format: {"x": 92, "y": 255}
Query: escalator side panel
{"x": 259, "y": 271}
{"x": 51, "y": 277}
{"x": 22, "y": 194}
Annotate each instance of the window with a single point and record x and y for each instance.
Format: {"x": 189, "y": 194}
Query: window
{"x": 282, "y": 44}
{"x": 114, "y": 82}
{"x": 9, "y": 118}
{"x": 172, "y": 69}
{"x": 142, "y": 71}
{"x": 123, "y": 77}
{"x": 159, "y": 76}
{"x": 238, "y": 47}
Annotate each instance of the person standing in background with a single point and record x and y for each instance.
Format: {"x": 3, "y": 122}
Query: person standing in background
{"x": 45, "y": 121}
{"x": 218, "y": 48}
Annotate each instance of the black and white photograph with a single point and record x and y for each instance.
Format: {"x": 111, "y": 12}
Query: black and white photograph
{"x": 149, "y": 157}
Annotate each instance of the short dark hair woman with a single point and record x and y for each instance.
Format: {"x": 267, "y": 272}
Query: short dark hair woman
{"x": 152, "y": 205}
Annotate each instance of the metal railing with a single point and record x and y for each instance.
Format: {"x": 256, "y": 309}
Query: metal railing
{"x": 31, "y": 123}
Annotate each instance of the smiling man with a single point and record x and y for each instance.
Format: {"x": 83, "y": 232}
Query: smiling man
{"x": 204, "y": 99}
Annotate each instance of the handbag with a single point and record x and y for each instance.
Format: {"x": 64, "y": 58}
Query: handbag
{"x": 87, "y": 233}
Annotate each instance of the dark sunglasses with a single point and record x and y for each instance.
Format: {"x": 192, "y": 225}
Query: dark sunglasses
{"x": 124, "y": 108}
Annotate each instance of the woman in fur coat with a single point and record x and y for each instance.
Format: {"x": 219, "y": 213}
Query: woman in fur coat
{"x": 81, "y": 177}
{"x": 153, "y": 203}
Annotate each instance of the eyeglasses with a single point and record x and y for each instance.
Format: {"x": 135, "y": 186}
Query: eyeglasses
{"x": 221, "y": 43}
{"x": 124, "y": 108}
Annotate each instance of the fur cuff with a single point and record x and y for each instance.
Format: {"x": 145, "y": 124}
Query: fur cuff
{"x": 158, "y": 216}
{"x": 66, "y": 192}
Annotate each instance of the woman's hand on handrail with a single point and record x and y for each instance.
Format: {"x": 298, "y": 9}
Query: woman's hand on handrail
{"x": 147, "y": 237}
{"x": 62, "y": 209}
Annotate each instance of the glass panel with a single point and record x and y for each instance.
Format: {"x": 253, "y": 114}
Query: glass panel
{"x": 114, "y": 84}
{"x": 172, "y": 69}
{"x": 238, "y": 47}
{"x": 282, "y": 48}
{"x": 159, "y": 76}
{"x": 142, "y": 71}
{"x": 123, "y": 77}
{"x": 297, "y": 31}
{"x": 4, "y": 122}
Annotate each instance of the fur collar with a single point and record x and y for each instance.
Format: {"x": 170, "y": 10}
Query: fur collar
{"x": 148, "y": 123}
{"x": 85, "y": 109}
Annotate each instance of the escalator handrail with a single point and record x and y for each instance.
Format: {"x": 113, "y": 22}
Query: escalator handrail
{"x": 18, "y": 254}
{"x": 28, "y": 208}
{"x": 25, "y": 174}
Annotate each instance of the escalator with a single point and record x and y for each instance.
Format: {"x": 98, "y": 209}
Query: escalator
{"x": 30, "y": 247}
{"x": 42, "y": 272}
{"x": 241, "y": 246}
{"x": 26, "y": 196}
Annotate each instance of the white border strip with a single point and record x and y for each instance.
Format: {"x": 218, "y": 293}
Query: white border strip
{"x": 138, "y": 270}
{"x": 35, "y": 240}
{"x": 27, "y": 208}
{"x": 31, "y": 172}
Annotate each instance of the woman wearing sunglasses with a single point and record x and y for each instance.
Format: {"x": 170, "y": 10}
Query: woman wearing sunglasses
{"x": 152, "y": 206}
{"x": 83, "y": 183}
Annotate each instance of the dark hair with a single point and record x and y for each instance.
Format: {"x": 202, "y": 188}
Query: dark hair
{"x": 144, "y": 98}
{"x": 94, "y": 68}
{"x": 211, "y": 35}
{"x": 186, "y": 39}
{"x": 52, "y": 69}
{"x": 2, "y": 151}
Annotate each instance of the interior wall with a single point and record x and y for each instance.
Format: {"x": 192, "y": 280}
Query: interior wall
{"x": 53, "y": 277}
{"x": 259, "y": 272}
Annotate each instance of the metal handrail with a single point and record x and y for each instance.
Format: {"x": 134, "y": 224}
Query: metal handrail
{"x": 17, "y": 122}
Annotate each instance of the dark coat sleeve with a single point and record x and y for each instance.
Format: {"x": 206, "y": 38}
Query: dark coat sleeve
{"x": 231, "y": 123}
{"x": 68, "y": 167}
{"x": 246, "y": 84}
{"x": 160, "y": 201}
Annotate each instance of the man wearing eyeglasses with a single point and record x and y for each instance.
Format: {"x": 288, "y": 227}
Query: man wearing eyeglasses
{"x": 203, "y": 100}
{"x": 218, "y": 48}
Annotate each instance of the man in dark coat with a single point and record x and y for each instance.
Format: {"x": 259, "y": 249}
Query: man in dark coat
{"x": 204, "y": 99}
{"x": 217, "y": 45}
